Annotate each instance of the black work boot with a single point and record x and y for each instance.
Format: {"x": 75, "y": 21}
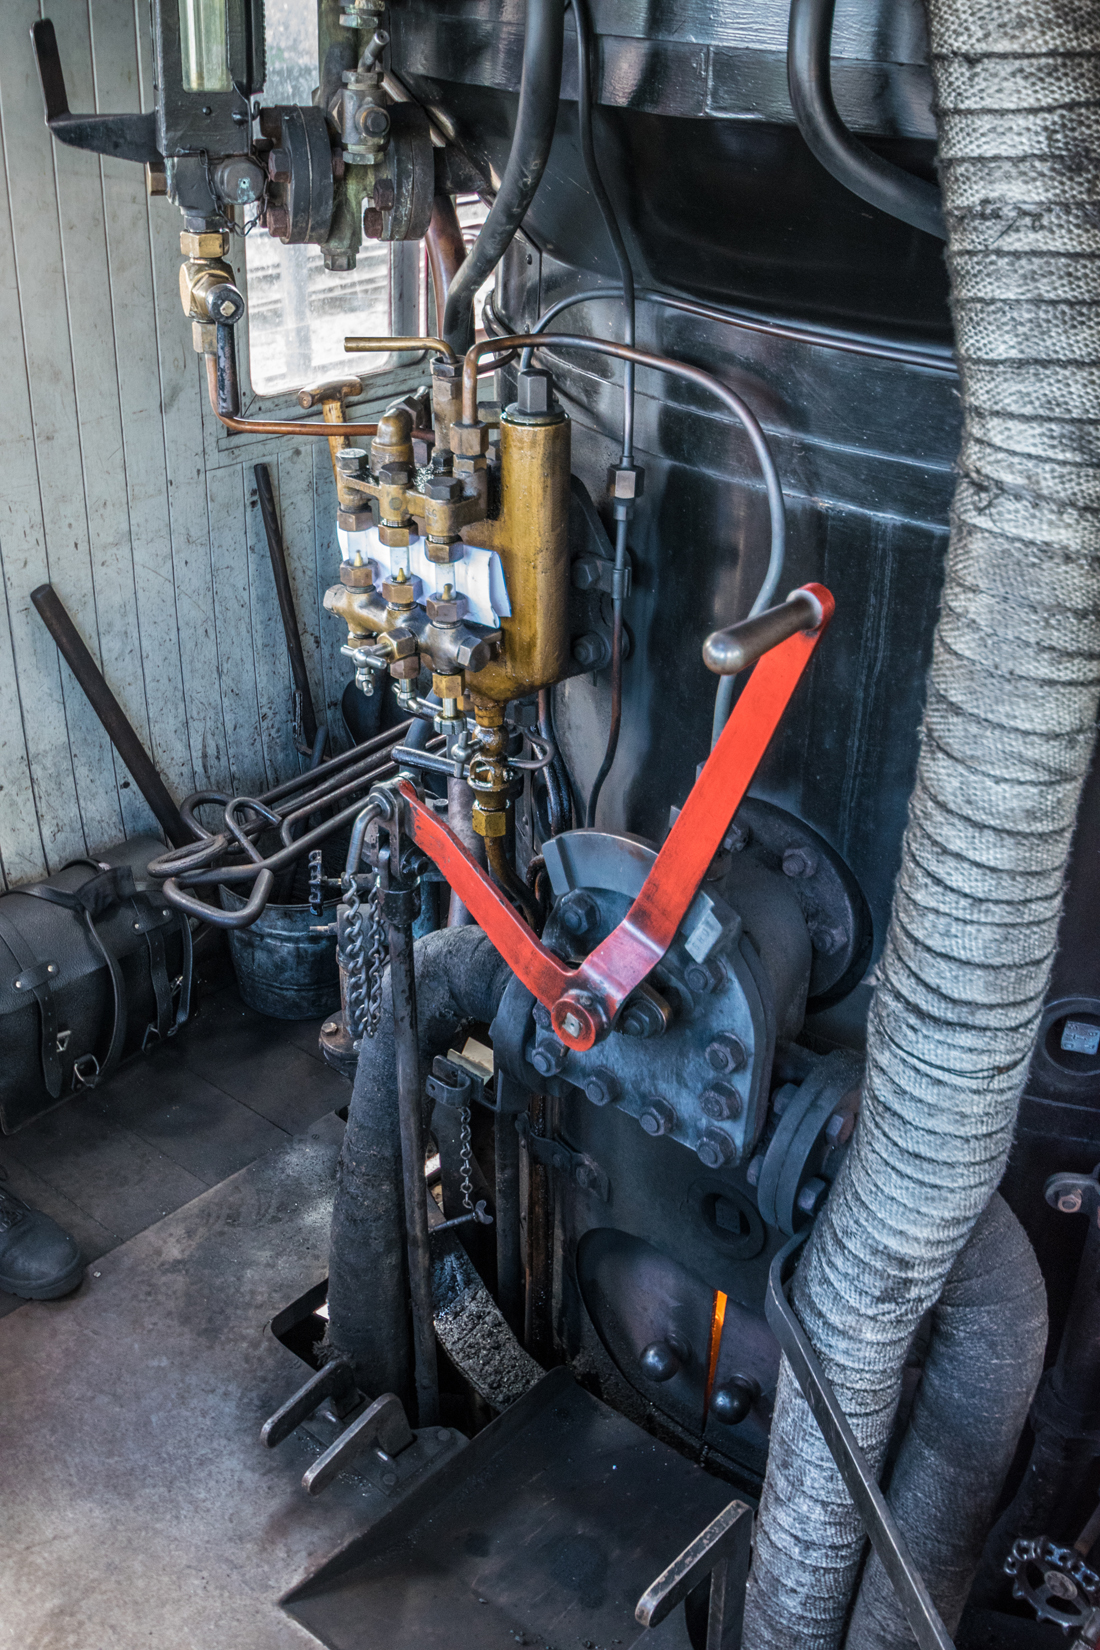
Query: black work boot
{"x": 37, "y": 1259}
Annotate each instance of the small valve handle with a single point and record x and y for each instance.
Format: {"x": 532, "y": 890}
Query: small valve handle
{"x": 727, "y": 652}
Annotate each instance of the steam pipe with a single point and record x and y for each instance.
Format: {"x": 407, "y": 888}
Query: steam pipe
{"x": 539, "y": 91}
{"x": 446, "y": 249}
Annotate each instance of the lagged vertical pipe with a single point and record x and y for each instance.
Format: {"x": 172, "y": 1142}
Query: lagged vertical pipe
{"x": 1008, "y": 730}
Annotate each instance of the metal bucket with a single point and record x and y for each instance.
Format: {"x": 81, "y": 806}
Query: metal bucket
{"x": 282, "y": 968}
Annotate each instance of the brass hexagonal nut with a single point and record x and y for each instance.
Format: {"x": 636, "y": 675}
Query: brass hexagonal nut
{"x": 447, "y": 687}
{"x": 406, "y": 669}
{"x": 469, "y": 440}
{"x": 399, "y": 592}
{"x": 488, "y": 823}
{"x": 397, "y": 538}
{"x": 446, "y": 610}
{"x": 211, "y": 244}
{"x": 357, "y": 578}
{"x": 467, "y": 466}
{"x": 354, "y": 521}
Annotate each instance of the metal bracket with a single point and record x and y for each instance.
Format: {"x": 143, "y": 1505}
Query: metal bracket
{"x": 721, "y": 1551}
{"x": 383, "y": 1427}
{"x": 878, "y": 1521}
{"x": 583, "y": 1170}
{"x": 334, "y": 1380}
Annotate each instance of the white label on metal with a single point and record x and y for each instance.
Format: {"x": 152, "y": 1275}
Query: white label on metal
{"x": 1080, "y": 1038}
{"x": 705, "y": 930}
{"x": 479, "y": 576}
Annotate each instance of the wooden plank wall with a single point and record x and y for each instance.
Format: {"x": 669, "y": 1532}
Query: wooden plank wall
{"x": 119, "y": 488}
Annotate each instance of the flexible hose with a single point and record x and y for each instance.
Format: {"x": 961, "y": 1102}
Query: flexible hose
{"x": 1009, "y": 729}
{"x": 539, "y": 91}
{"x": 809, "y": 82}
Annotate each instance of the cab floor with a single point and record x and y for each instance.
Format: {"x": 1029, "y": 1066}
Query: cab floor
{"x": 229, "y": 1087}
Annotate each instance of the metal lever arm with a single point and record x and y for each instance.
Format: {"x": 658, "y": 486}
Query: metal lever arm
{"x": 126, "y": 137}
{"x": 584, "y": 1001}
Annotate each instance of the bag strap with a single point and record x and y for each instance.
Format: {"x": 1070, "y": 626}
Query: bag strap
{"x": 94, "y": 896}
{"x": 34, "y": 977}
{"x": 152, "y": 923}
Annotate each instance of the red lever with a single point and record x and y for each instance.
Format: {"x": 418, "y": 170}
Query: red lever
{"x": 583, "y": 1001}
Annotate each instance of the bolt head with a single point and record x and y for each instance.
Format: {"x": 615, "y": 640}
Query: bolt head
{"x": 534, "y": 391}
{"x": 602, "y": 1087}
{"x": 839, "y": 1128}
{"x": 373, "y": 224}
{"x": 704, "y": 977}
{"x": 799, "y": 862}
{"x": 720, "y": 1102}
{"x": 394, "y": 473}
{"x": 826, "y": 939}
{"x": 329, "y": 1029}
{"x": 447, "y": 610}
{"x": 812, "y": 1196}
{"x": 578, "y": 911}
{"x": 726, "y": 1052}
{"x": 399, "y": 592}
{"x": 591, "y": 651}
{"x": 547, "y": 1056}
{"x": 377, "y": 122}
{"x": 658, "y": 1116}
{"x": 444, "y": 489}
{"x": 715, "y": 1150}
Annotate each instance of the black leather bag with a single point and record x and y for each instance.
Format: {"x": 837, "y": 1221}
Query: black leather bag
{"x": 94, "y": 966}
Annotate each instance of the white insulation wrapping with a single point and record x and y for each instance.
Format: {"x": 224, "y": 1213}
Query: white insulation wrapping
{"x": 1008, "y": 732}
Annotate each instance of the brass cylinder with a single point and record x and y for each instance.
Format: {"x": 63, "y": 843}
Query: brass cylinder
{"x": 531, "y": 536}
{"x": 392, "y": 443}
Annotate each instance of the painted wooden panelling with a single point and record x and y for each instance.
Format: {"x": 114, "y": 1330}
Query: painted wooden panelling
{"x": 119, "y": 488}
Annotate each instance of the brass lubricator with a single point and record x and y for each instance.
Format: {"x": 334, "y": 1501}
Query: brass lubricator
{"x": 430, "y": 522}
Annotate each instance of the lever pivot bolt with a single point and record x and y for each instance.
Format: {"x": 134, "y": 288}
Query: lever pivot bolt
{"x": 578, "y": 912}
{"x": 658, "y": 1117}
{"x": 726, "y": 1052}
{"x": 812, "y": 1196}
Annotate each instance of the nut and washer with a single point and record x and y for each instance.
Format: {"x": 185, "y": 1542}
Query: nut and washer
{"x": 725, "y": 1052}
{"x": 657, "y": 1117}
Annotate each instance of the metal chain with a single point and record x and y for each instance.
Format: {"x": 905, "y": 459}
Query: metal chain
{"x": 377, "y": 963}
{"x": 356, "y": 992}
{"x": 464, "y": 1157}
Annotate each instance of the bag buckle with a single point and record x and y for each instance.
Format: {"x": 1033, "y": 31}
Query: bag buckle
{"x": 85, "y": 1071}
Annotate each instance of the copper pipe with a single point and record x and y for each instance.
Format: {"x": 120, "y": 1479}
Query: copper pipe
{"x": 500, "y": 869}
{"x": 446, "y": 248}
{"x": 379, "y": 345}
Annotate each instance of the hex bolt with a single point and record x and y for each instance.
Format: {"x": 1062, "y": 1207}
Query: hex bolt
{"x": 725, "y": 1052}
{"x": 591, "y": 651}
{"x": 799, "y": 862}
{"x": 375, "y": 121}
{"x": 534, "y": 391}
{"x": 720, "y": 1102}
{"x": 752, "y": 1173}
{"x": 839, "y": 1128}
{"x": 737, "y": 839}
{"x": 547, "y": 1057}
{"x": 444, "y": 489}
{"x": 826, "y": 939}
{"x": 812, "y": 1196}
{"x": 542, "y": 1016}
{"x": 602, "y": 1087}
{"x": 578, "y": 912}
{"x": 715, "y": 1150}
{"x": 658, "y": 1116}
{"x": 642, "y": 1018}
{"x": 704, "y": 977}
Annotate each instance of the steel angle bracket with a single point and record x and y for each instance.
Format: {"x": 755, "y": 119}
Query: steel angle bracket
{"x": 878, "y": 1521}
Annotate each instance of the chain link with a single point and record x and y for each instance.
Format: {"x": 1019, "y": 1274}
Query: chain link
{"x": 464, "y": 1157}
{"x": 356, "y": 990}
{"x": 377, "y": 963}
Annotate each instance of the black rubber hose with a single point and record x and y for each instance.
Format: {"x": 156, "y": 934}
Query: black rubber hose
{"x": 539, "y": 91}
{"x": 809, "y": 82}
{"x": 460, "y": 979}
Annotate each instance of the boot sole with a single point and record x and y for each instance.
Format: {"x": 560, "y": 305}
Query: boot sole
{"x": 53, "y": 1290}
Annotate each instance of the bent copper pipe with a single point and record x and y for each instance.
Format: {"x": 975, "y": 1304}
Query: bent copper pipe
{"x": 282, "y": 426}
{"x": 446, "y": 248}
{"x": 360, "y": 345}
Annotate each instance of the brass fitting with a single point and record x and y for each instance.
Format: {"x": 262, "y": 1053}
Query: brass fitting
{"x": 469, "y": 440}
{"x": 531, "y": 536}
{"x": 330, "y": 396}
{"x": 488, "y": 821}
{"x": 392, "y": 442}
{"x": 208, "y": 244}
{"x": 397, "y": 538}
{"x": 357, "y": 575}
{"x": 447, "y": 686}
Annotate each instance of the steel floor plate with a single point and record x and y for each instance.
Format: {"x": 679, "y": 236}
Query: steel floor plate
{"x": 139, "y": 1510}
{"x": 544, "y": 1531}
